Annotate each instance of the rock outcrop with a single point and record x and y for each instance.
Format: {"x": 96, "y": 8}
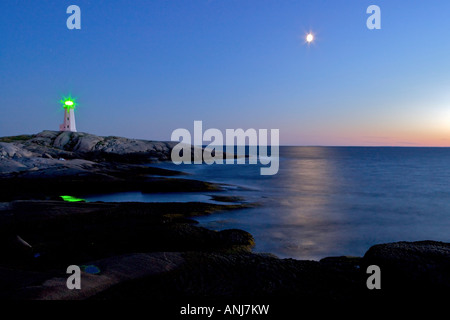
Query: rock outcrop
{"x": 413, "y": 267}
{"x": 85, "y": 143}
{"x": 54, "y": 149}
{"x": 155, "y": 252}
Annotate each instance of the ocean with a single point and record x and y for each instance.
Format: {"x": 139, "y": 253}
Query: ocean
{"x": 328, "y": 201}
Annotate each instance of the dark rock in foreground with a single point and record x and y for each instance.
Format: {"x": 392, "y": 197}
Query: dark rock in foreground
{"x": 39, "y": 239}
{"x": 221, "y": 277}
{"x": 413, "y": 267}
{"x": 155, "y": 252}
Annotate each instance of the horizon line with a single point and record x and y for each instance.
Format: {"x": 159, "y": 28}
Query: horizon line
{"x": 281, "y": 145}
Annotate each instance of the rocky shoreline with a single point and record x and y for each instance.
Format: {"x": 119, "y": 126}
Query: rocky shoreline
{"x": 156, "y": 251}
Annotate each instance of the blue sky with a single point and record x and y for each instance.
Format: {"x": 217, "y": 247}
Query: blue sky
{"x": 142, "y": 69}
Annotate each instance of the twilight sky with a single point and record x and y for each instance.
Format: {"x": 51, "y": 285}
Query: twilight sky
{"x": 142, "y": 69}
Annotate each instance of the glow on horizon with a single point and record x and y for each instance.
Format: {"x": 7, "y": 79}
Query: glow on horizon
{"x": 405, "y": 135}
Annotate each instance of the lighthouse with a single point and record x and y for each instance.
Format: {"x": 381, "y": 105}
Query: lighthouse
{"x": 69, "y": 105}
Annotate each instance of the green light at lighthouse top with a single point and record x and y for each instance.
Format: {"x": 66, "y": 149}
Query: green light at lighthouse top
{"x": 69, "y": 102}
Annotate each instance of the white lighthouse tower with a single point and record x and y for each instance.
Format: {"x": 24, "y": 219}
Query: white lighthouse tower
{"x": 69, "y": 105}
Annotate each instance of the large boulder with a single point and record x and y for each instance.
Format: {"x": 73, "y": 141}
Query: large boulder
{"x": 412, "y": 268}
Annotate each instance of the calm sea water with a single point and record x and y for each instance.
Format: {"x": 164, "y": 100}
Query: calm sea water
{"x": 329, "y": 201}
